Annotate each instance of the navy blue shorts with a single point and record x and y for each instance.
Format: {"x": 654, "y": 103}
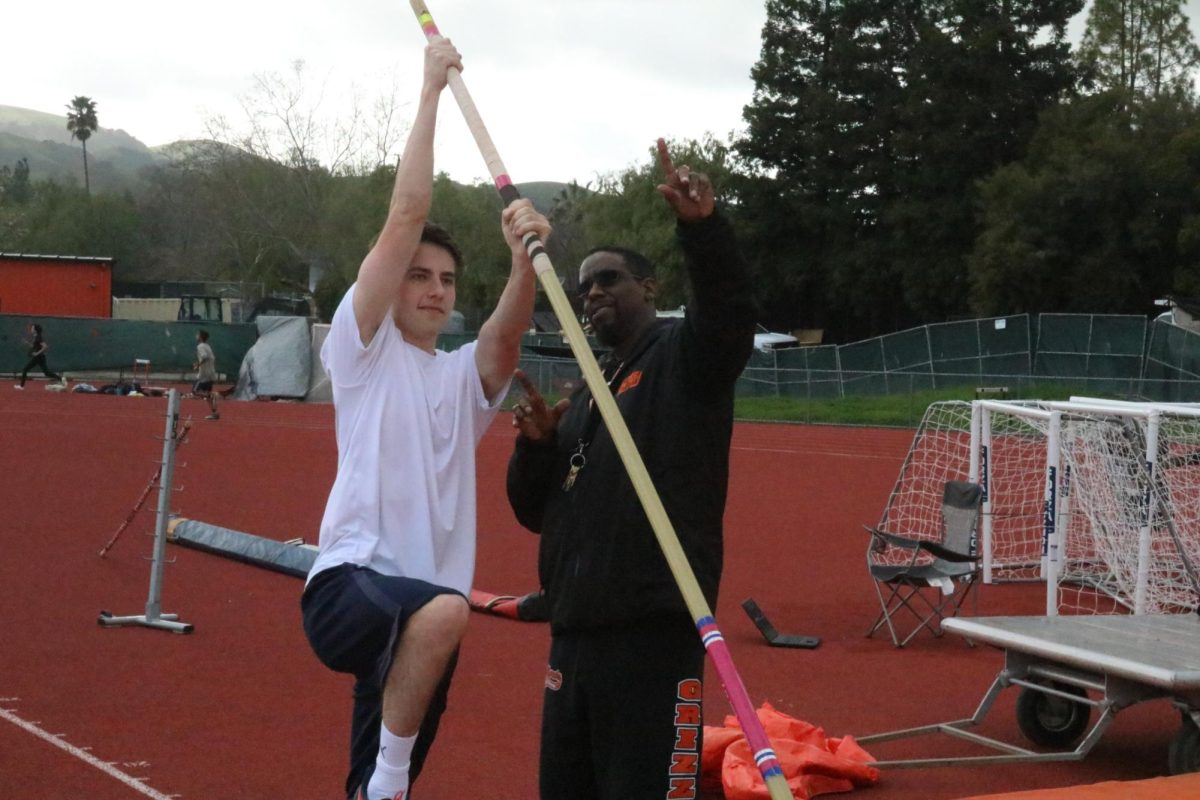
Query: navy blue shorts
{"x": 353, "y": 617}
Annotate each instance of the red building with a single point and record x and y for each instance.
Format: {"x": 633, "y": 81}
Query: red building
{"x": 56, "y": 286}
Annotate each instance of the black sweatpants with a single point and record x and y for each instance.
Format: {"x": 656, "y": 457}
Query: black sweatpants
{"x": 622, "y": 715}
{"x": 39, "y": 361}
{"x": 353, "y": 617}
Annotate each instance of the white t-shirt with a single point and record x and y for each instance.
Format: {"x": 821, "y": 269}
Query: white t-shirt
{"x": 408, "y": 422}
{"x": 207, "y": 371}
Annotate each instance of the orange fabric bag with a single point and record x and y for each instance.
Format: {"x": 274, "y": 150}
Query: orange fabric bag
{"x": 812, "y": 764}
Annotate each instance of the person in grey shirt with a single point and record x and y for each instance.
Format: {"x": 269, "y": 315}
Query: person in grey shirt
{"x": 206, "y": 373}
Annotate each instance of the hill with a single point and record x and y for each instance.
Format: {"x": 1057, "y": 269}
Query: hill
{"x": 114, "y": 157}
{"x": 43, "y": 127}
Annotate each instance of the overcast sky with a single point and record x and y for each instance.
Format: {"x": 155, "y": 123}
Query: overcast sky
{"x": 568, "y": 89}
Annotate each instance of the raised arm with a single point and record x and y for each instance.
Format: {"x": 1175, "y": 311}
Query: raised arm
{"x": 499, "y": 349}
{"x": 382, "y": 271}
{"x": 721, "y": 315}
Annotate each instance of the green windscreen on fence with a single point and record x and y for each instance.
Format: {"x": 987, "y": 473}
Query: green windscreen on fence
{"x": 968, "y": 351}
{"x": 1014, "y": 356}
{"x": 92, "y": 344}
{"x": 1105, "y": 349}
{"x": 1172, "y": 367}
{"x": 792, "y": 372}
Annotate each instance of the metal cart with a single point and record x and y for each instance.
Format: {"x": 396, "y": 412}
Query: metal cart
{"x": 1065, "y": 667}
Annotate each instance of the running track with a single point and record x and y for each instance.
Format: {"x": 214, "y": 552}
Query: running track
{"x": 241, "y": 709}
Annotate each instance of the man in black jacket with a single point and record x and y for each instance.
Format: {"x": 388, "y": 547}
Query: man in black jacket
{"x": 622, "y": 718}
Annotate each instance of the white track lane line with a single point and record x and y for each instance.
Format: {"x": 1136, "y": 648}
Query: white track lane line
{"x": 86, "y": 757}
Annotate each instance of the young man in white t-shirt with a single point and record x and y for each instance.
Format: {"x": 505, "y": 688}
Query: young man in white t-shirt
{"x": 206, "y": 374}
{"x": 386, "y": 597}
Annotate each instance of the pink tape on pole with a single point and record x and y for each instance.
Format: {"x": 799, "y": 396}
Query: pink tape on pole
{"x": 428, "y": 25}
{"x": 735, "y": 690}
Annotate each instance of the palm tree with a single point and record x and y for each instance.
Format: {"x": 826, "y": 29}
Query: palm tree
{"x": 81, "y": 122}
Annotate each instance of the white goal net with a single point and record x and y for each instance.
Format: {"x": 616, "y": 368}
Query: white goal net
{"x": 1099, "y": 499}
{"x": 1019, "y": 481}
{"x": 940, "y": 452}
{"x": 1131, "y": 500}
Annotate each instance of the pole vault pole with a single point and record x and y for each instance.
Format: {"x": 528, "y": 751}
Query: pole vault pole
{"x": 714, "y": 642}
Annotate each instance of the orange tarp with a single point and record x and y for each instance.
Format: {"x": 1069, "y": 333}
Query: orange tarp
{"x": 812, "y": 763}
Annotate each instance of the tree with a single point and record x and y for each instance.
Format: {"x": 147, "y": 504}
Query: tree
{"x": 977, "y": 81}
{"x": 568, "y": 244}
{"x": 869, "y": 127}
{"x": 15, "y": 194}
{"x": 627, "y": 210}
{"x": 290, "y": 190}
{"x": 1144, "y": 47}
{"x": 1100, "y": 217}
{"x": 818, "y": 147}
{"x": 62, "y": 219}
{"x": 82, "y": 123}
{"x": 15, "y": 188}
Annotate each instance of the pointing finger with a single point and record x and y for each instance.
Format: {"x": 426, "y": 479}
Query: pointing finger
{"x": 664, "y": 158}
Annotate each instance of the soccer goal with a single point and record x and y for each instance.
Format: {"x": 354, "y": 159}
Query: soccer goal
{"x": 1130, "y": 490}
{"x": 1019, "y": 464}
{"x": 941, "y": 450}
{"x": 1097, "y": 499}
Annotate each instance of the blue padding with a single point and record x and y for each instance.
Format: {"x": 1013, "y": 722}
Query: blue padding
{"x": 289, "y": 559}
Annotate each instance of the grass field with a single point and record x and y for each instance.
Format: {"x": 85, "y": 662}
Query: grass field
{"x": 889, "y": 411}
{"x": 899, "y": 410}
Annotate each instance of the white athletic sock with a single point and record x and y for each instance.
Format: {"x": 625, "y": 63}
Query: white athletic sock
{"x": 391, "y": 766}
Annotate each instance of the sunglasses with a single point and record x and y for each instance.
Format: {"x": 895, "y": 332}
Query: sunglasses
{"x": 605, "y": 279}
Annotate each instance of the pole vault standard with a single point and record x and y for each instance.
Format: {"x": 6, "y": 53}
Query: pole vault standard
{"x": 714, "y": 642}
{"x": 154, "y": 618}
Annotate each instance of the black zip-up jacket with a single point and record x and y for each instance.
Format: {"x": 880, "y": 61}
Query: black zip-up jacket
{"x": 599, "y": 561}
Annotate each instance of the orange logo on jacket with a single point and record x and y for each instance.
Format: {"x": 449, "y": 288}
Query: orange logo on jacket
{"x": 685, "y": 760}
{"x": 631, "y": 380}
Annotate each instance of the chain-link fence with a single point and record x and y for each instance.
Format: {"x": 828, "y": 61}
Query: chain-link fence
{"x": 1019, "y": 356}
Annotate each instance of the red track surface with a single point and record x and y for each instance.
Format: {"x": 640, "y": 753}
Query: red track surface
{"x": 241, "y": 708}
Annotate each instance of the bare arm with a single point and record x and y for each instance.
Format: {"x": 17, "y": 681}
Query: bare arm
{"x": 382, "y": 271}
{"x": 499, "y": 349}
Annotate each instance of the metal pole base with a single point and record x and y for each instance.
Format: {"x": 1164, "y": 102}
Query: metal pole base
{"x": 165, "y": 622}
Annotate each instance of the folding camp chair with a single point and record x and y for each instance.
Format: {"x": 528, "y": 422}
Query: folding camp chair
{"x": 927, "y": 573}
